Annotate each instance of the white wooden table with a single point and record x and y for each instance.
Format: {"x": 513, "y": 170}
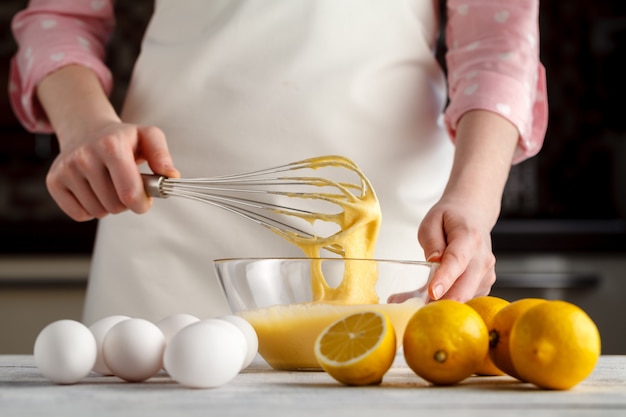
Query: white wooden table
{"x": 261, "y": 391}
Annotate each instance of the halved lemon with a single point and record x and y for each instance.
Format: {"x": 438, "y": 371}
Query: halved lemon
{"x": 357, "y": 349}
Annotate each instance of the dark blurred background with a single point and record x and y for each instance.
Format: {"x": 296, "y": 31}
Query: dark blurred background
{"x": 572, "y": 196}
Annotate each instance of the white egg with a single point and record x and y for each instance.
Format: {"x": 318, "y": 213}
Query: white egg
{"x": 238, "y": 338}
{"x": 170, "y": 325}
{"x": 65, "y": 351}
{"x": 133, "y": 349}
{"x": 250, "y": 334}
{"x": 205, "y": 354}
{"x": 99, "y": 329}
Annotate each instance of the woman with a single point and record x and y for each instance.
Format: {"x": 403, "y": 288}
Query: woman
{"x": 227, "y": 86}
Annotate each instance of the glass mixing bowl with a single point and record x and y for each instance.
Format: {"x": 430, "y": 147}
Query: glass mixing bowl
{"x": 275, "y": 296}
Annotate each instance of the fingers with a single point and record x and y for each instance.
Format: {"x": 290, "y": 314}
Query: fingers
{"x": 474, "y": 281}
{"x": 467, "y": 263}
{"x": 467, "y": 269}
{"x": 70, "y": 182}
{"x": 99, "y": 175}
{"x": 78, "y": 201}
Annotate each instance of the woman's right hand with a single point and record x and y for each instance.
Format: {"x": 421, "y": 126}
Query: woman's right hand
{"x": 96, "y": 170}
{"x": 97, "y": 174}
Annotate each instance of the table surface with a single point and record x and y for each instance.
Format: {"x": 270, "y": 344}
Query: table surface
{"x": 261, "y": 391}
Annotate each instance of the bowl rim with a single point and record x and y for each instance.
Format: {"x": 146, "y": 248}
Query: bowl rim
{"x": 304, "y": 258}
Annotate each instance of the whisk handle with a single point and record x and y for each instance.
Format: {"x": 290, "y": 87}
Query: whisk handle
{"x": 153, "y": 185}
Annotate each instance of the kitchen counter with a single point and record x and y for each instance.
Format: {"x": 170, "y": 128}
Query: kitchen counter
{"x": 261, "y": 391}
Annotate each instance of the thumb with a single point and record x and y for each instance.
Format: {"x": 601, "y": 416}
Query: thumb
{"x": 432, "y": 238}
{"x": 154, "y": 150}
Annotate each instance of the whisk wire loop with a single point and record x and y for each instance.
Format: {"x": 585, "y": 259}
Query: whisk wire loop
{"x": 235, "y": 192}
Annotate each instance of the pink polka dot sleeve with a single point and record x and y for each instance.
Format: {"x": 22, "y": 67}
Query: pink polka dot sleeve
{"x": 493, "y": 64}
{"x": 50, "y": 35}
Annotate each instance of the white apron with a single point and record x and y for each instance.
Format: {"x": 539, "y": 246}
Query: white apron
{"x": 243, "y": 84}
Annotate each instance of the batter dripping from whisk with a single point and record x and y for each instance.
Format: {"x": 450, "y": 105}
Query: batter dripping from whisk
{"x": 359, "y": 221}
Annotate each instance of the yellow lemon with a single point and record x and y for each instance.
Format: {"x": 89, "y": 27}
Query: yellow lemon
{"x": 554, "y": 345}
{"x": 445, "y": 342}
{"x": 488, "y": 306}
{"x": 357, "y": 349}
{"x": 500, "y": 330}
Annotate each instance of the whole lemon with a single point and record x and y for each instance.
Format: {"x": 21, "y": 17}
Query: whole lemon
{"x": 488, "y": 306}
{"x": 500, "y": 331}
{"x": 554, "y": 345}
{"x": 445, "y": 342}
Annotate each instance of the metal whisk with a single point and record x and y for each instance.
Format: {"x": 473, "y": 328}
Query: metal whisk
{"x": 285, "y": 199}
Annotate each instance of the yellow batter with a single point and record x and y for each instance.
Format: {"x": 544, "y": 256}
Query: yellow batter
{"x": 359, "y": 222}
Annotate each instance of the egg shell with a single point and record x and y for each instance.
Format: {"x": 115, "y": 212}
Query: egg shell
{"x": 171, "y": 324}
{"x": 238, "y": 337}
{"x": 250, "y": 334}
{"x": 99, "y": 329}
{"x": 133, "y": 349}
{"x": 205, "y": 354}
{"x": 65, "y": 351}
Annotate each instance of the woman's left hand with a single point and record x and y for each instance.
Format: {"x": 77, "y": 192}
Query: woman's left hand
{"x": 456, "y": 236}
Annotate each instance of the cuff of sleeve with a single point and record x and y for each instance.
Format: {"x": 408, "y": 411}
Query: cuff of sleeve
{"x": 524, "y": 106}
